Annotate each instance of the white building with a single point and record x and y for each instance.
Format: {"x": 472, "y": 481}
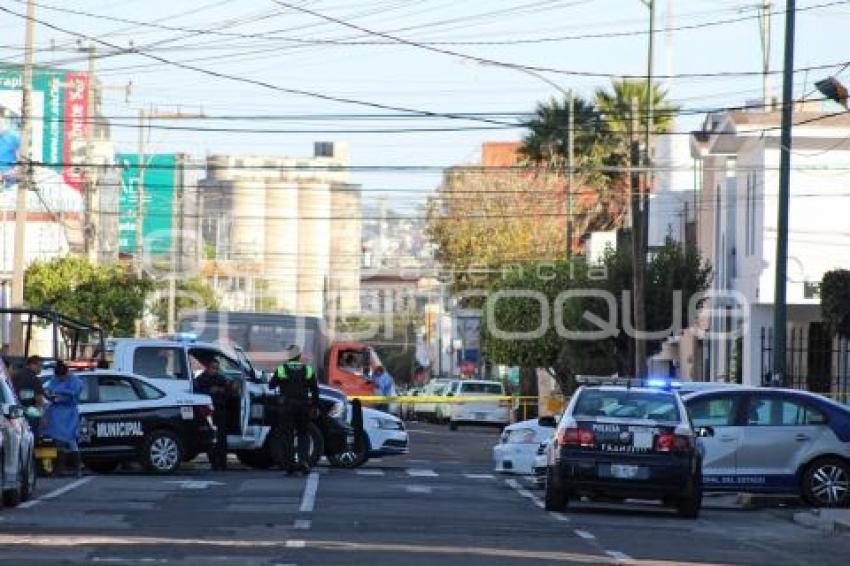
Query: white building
{"x": 738, "y": 155}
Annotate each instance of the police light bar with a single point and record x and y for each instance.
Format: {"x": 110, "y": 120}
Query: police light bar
{"x": 663, "y": 383}
{"x": 181, "y": 337}
{"x": 607, "y": 380}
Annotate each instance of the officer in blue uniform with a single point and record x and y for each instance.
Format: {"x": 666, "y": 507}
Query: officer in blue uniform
{"x": 298, "y": 389}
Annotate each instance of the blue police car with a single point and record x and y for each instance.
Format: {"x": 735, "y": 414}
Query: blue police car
{"x": 774, "y": 441}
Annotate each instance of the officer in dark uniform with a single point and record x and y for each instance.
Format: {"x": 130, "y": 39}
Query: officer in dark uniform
{"x": 299, "y": 399}
{"x": 211, "y": 382}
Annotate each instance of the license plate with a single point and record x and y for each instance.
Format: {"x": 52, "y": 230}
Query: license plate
{"x": 624, "y": 472}
{"x": 46, "y": 453}
{"x": 642, "y": 440}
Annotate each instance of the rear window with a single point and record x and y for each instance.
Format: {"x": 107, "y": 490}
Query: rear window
{"x": 627, "y": 404}
{"x": 481, "y": 388}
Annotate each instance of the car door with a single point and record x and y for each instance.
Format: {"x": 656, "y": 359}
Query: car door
{"x": 233, "y": 371}
{"x": 721, "y": 412}
{"x": 114, "y": 414}
{"x": 781, "y": 431}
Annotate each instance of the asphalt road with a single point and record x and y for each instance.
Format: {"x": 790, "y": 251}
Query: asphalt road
{"x": 440, "y": 505}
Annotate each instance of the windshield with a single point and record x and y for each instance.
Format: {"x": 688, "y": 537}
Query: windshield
{"x": 481, "y": 389}
{"x": 627, "y": 404}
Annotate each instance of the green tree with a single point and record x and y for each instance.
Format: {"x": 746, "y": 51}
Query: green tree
{"x": 671, "y": 269}
{"x": 110, "y": 296}
{"x": 191, "y": 294}
{"x": 835, "y": 301}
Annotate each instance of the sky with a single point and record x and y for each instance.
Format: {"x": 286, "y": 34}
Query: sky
{"x": 322, "y": 46}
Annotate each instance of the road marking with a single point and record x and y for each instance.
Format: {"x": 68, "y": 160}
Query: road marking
{"x": 308, "y": 501}
{"x": 480, "y": 476}
{"x": 525, "y": 493}
{"x": 302, "y": 524}
{"x": 621, "y": 556}
{"x": 538, "y": 503}
{"x": 56, "y": 492}
{"x": 378, "y": 460}
{"x": 584, "y": 534}
{"x": 417, "y": 489}
{"x": 296, "y": 544}
{"x": 369, "y": 472}
{"x": 559, "y": 516}
{"x": 126, "y": 560}
{"x": 513, "y": 483}
{"x": 421, "y": 473}
{"x": 195, "y": 484}
{"x": 415, "y": 461}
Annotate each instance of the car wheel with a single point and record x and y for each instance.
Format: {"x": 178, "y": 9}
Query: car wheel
{"x": 453, "y": 425}
{"x": 102, "y": 466}
{"x": 162, "y": 453}
{"x": 261, "y": 459}
{"x": 826, "y": 483}
{"x": 12, "y": 497}
{"x": 30, "y": 480}
{"x": 352, "y": 457}
{"x": 555, "y": 498}
{"x": 689, "y": 506}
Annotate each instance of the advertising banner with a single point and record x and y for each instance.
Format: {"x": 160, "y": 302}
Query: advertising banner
{"x": 160, "y": 177}
{"x": 60, "y": 122}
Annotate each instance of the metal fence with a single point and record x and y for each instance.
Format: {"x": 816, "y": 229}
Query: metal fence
{"x": 816, "y": 361}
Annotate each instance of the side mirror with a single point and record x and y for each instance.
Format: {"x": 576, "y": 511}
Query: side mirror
{"x": 704, "y": 432}
{"x": 547, "y": 421}
{"x": 15, "y": 412}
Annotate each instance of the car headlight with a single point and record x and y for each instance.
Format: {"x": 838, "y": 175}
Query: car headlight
{"x": 386, "y": 424}
{"x": 337, "y": 410}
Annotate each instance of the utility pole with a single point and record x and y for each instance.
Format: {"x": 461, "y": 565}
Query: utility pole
{"x": 570, "y": 167}
{"x": 764, "y": 26}
{"x": 140, "y": 196}
{"x": 24, "y": 182}
{"x": 92, "y": 201}
{"x": 780, "y": 317}
{"x": 638, "y": 253}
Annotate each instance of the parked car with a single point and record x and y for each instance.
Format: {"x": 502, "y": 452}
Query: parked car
{"x": 17, "y": 447}
{"x": 386, "y": 434}
{"x": 479, "y": 410}
{"x": 775, "y": 441}
{"x": 517, "y": 449}
{"x": 618, "y": 442}
{"x": 126, "y": 417}
{"x": 427, "y": 411}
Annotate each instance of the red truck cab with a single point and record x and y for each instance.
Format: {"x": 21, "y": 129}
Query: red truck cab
{"x": 349, "y": 365}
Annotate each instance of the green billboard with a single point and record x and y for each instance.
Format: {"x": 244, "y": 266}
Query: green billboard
{"x": 160, "y": 176}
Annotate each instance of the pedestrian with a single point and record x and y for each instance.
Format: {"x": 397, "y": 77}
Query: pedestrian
{"x": 383, "y": 383}
{"x": 298, "y": 391}
{"x": 63, "y": 416}
{"x": 30, "y": 391}
{"x": 213, "y": 383}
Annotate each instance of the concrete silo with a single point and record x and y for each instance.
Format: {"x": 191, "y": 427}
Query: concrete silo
{"x": 282, "y": 240}
{"x": 314, "y": 236}
{"x": 345, "y": 248}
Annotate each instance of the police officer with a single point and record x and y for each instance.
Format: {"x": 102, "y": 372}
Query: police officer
{"x": 299, "y": 395}
{"x": 211, "y": 382}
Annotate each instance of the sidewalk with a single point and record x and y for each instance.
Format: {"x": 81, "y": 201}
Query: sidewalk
{"x": 830, "y": 521}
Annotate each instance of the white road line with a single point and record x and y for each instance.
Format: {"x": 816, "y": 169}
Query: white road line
{"x": 302, "y": 524}
{"x": 559, "y": 516}
{"x": 538, "y": 503}
{"x": 621, "y": 556}
{"x": 525, "y": 493}
{"x": 126, "y": 560}
{"x": 421, "y": 473}
{"x": 415, "y": 461}
{"x": 296, "y": 544}
{"x": 308, "y": 501}
{"x": 369, "y": 472}
{"x": 512, "y": 483}
{"x": 584, "y": 534}
{"x": 480, "y": 476}
{"x": 56, "y": 492}
{"x": 417, "y": 489}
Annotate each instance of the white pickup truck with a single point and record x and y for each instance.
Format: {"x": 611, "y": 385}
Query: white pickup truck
{"x": 174, "y": 364}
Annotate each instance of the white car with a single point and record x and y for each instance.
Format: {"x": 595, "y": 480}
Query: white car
{"x": 386, "y": 432}
{"x": 519, "y": 444}
{"x": 479, "y": 410}
{"x": 427, "y": 411}
{"x": 17, "y": 447}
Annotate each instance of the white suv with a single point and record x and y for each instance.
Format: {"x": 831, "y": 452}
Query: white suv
{"x": 486, "y": 404}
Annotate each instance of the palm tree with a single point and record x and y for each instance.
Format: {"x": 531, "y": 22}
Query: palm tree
{"x": 547, "y": 138}
{"x": 615, "y": 107}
